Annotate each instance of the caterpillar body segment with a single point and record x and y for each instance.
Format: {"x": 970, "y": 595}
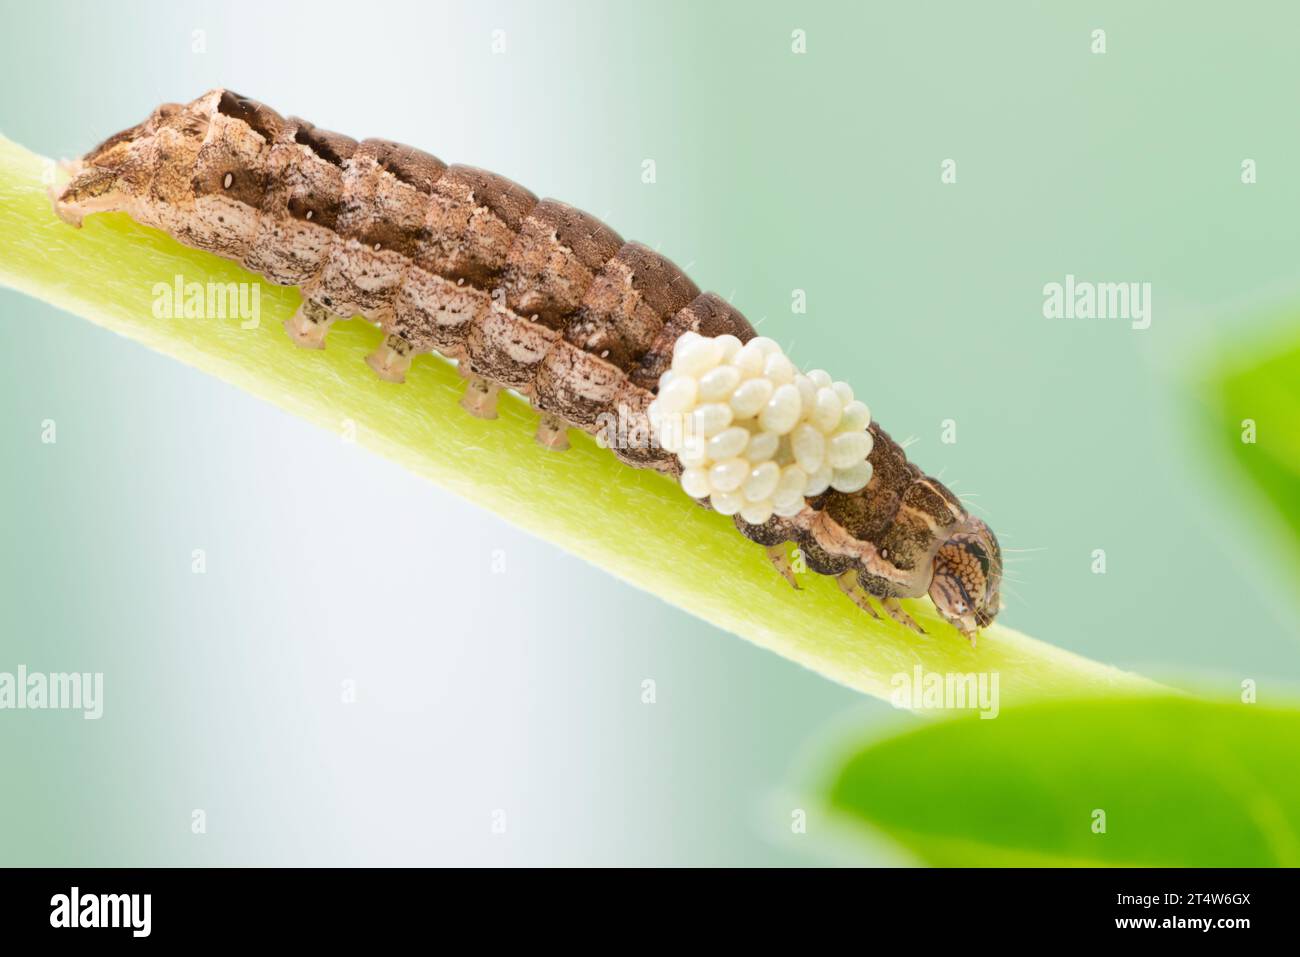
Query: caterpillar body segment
{"x": 535, "y": 296}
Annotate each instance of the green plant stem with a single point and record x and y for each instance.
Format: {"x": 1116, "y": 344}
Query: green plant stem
{"x": 636, "y": 525}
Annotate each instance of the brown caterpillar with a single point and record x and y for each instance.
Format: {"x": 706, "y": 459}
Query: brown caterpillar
{"x": 527, "y": 294}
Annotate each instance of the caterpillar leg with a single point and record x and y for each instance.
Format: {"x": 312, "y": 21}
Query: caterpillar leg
{"x": 779, "y": 556}
{"x": 552, "y": 433}
{"x": 480, "y": 397}
{"x": 897, "y": 612}
{"x": 848, "y": 583}
{"x": 309, "y": 323}
{"x": 391, "y": 359}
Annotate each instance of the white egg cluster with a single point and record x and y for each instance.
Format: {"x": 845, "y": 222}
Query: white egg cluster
{"x": 754, "y": 435}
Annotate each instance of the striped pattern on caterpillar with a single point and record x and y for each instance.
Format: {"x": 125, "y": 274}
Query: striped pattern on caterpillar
{"x": 526, "y": 294}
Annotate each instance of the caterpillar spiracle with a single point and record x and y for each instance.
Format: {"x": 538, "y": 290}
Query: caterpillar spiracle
{"x": 540, "y": 298}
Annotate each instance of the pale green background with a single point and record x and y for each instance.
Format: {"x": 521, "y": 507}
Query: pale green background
{"x": 521, "y": 691}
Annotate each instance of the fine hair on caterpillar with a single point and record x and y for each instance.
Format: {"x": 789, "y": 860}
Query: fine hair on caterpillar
{"x": 537, "y": 297}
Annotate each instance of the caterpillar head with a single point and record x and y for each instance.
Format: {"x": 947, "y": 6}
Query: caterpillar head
{"x": 161, "y": 160}
{"x": 967, "y": 583}
{"x": 119, "y": 170}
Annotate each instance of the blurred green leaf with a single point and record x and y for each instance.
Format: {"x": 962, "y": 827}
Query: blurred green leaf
{"x": 1262, "y": 384}
{"x": 1181, "y": 783}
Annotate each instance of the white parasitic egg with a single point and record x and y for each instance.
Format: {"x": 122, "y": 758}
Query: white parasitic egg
{"x": 698, "y": 357}
{"x": 847, "y": 448}
{"x": 855, "y": 477}
{"x": 762, "y": 481}
{"x": 827, "y": 410}
{"x": 728, "y": 443}
{"x": 709, "y": 420}
{"x": 694, "y": 454}
{"x": 791, "y": 486}
{"x": 782, "y": 410}
{"x": 726, "y": 476}
{"x": 678, "y": 395}
{"x": 754, "y": 435}
{"x": 807, "y": 393}
{"x": 778, "y": 368}
{"x": 819, "y": 481}
{"x": 762, "y": 446}
{"x": 749, "y": 360}
{"x": 808, "y": 446}
{"x": 718, "y": 383}
{"x": 730, "y": 346}
{"x": 695, "y": 482}
{"x": 750, "y": 398}
{"x": 856, "y": 417}
{"x": 728, "y": 503}
{"x": 788, "y": 510}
